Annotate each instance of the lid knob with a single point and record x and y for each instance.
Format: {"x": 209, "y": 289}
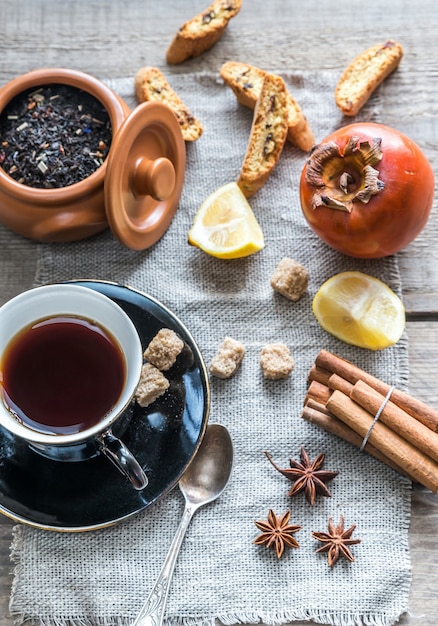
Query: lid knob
{"x": 154, "y": 177}
{"x": 144, "y": 175}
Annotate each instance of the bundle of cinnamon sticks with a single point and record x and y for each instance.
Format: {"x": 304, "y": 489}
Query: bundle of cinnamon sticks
{"x": 344, "y": 399}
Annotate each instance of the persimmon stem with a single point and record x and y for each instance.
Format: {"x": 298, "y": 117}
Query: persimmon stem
{"x": 341, "y": 178}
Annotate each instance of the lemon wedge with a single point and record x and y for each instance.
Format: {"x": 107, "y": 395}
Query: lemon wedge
{"x": 225, "y": 226}
{"x": 360, "y": 310}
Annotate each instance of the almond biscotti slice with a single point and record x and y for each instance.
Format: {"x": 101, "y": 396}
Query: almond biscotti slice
{"x": 268, "y": 134}
{"x": 201, "y": 32}
{"x": 246, "y": 82}
{"x": 150, "y": 84}
{"x": 364, "y": 74}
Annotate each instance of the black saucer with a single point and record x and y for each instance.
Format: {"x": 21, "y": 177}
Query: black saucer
{"x": 164, "y": 437}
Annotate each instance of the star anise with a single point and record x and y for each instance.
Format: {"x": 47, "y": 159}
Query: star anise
{"x": 307, "y": 476}
{"x": 277, "y": 532}
{"x": 336, "y": 541}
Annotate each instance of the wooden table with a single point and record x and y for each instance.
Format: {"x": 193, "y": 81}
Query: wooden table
{"x": 113, "y": 38}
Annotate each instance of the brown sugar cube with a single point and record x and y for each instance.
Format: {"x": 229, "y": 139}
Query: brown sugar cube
{"x": 290, "y": 279}
{"x": 228, "y": 358}
{"x": 151, "y": 386}
{"x": 276, "y": 361}
{"x": 164, "y": 348}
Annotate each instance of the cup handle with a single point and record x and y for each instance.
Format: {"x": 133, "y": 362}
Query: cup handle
{"x": 116, "y": 451}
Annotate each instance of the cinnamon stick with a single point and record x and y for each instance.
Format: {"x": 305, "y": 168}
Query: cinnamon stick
{"x": 396, "y": 418}
{"x": 319, "y": 415}
{"x": 328, "y": 422}
{"x": 318, "y": 392}
{"x": 319, "y": 374}
{"x": 337, "y": 382}
{"x": 415, "y": 463}
{"x": 347, "y": 370}
{"x": 321, "y": 408}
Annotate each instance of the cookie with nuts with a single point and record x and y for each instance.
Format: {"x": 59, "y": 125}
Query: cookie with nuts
{"x": 152, "y": 86}
{"x": 267, "y": 136}
{"x": 201, "y": 32}
{"x": 364, "y": 74}
{"x": 246, "y": 82}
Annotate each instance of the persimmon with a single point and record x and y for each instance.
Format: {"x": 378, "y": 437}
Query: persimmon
{"x": 367, "y": 190}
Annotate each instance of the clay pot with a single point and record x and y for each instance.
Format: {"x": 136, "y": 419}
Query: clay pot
{"x": 135, "y": 191}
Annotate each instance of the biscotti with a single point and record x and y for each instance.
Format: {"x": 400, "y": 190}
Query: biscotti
{"x": 364, "y": 74}
{"x": 246, "y": 82}
{"x": 267, "y": 137}
{"x": 151, "y": 85}
{"x": 201, "y": 32}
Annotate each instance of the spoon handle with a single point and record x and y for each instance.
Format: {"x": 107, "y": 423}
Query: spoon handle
{"x": 152, "y": 611}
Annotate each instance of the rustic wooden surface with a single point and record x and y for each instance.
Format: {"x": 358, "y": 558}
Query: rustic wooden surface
{"x": 113, "y": 38}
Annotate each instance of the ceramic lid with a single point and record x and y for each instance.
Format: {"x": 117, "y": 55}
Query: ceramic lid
{"x": 145, "y": 175}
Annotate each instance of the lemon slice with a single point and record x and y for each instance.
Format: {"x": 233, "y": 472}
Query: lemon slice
{"x": 225, "y": 225}
{"x": 360, "y": 310}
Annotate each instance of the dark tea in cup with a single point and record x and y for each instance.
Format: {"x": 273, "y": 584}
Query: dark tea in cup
{"x": 70, "y": 362}
{"x": 62, "y": 374}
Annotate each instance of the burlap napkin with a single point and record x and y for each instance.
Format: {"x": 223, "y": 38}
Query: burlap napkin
{"x": 102, "y": 577}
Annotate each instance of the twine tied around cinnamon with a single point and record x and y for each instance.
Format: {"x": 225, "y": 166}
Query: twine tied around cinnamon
{"x": 376, "y": 417}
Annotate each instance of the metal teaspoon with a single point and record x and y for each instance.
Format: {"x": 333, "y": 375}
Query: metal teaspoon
{"x": 203, "y": 481}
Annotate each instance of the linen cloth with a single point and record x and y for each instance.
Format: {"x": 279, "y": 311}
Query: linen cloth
{"x": 103, "y": 577}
